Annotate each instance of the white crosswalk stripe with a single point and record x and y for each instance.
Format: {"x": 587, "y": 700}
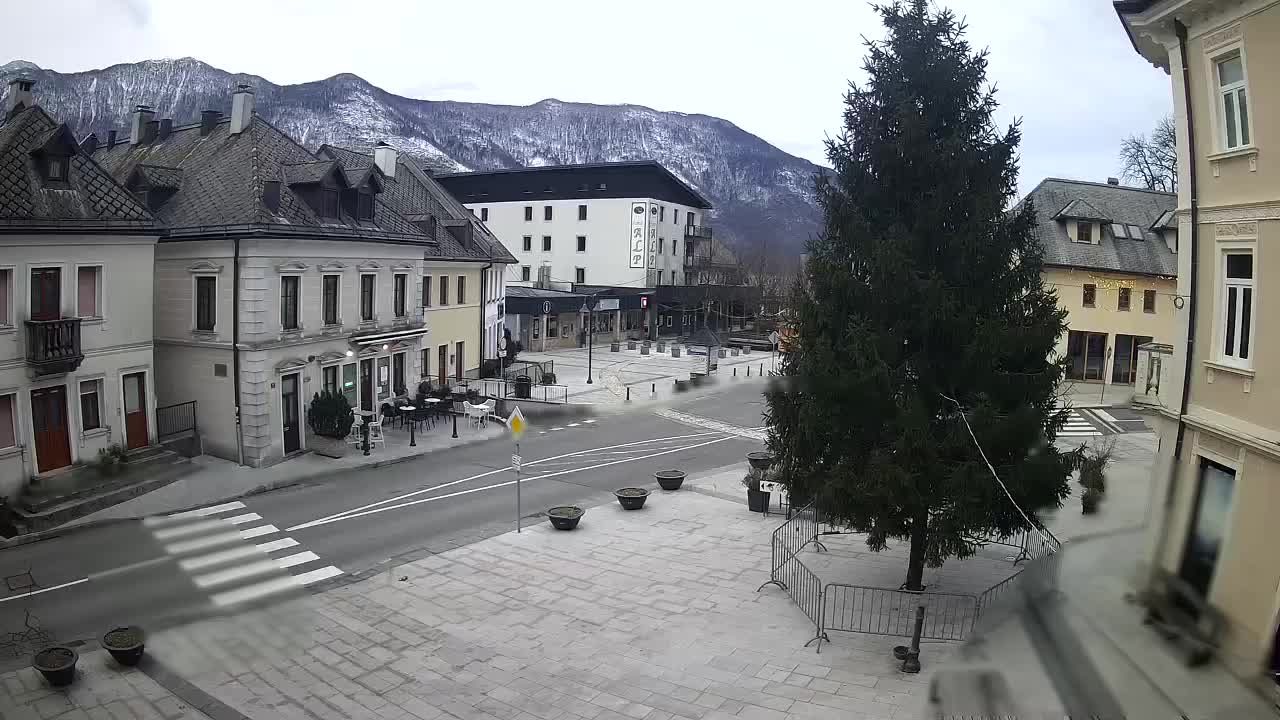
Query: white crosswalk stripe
{"x": 216, "y": 547}
{"x": 1077, "y": 427}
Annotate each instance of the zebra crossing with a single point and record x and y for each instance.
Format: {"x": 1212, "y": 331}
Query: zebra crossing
{"x": 234, "y": 555}
{"x": 580, "y": 423}
{"x": 1078, "y": 426}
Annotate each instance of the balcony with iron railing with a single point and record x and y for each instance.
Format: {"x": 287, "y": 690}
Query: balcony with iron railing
{"x": 53, "y": 346}
{"x": 697, "y": 232}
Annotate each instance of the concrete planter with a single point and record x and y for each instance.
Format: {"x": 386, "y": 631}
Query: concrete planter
{"x": 746, "y": 349}
{"x": 669, "y": 479}
{"x": 675, "y": 351}
{"x": 631, "y": 344}
{"x": 662, "y": 346}
{"x": 733, "y": 351}
{"x": 614, "y": 347}
{"x": 722, "y": 352}
{"x": 644, "y": 349}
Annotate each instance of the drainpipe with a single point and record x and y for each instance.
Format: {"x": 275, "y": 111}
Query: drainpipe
{"x": 235, "y": 342}
{"x": 484, "y": 309}
{"x": 1194, "y": 199}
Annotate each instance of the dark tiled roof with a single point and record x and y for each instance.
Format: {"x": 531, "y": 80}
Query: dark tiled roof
{"x": 91, "y": 199}
{"x": 222, "y": 183}
{"x": 416, "y": 196}
{"x": 633, "y": 178}
{"x": 160, "y": 177}
{"x": 1080, "y": 209}
{"x": 534, "y": 292}
{"x": 1117, "y": 204}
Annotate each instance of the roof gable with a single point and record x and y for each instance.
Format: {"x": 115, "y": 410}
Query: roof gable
{"x": 1080, "y": 209}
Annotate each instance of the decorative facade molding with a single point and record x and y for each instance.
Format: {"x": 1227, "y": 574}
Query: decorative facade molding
{"x": 333, "y": 266}
{"x": 403, "y": 267}
{"x": 330, "y": 357}
{"x": 293, "y": 266}
{"x": 369, "y": 266}
{"x": 290, "y": 364}
{"x": 1225, "y": 36}
{"x": 1228, "y": 214}
{"x": 1247, "y": 229}
{"x": 204, "y": 267}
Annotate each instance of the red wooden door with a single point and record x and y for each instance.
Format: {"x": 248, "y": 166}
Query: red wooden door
{"x": 49, "y": 423}
{"x": 135, "y": 411}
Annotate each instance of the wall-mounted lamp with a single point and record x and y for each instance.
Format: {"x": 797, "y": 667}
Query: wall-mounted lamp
{"x": 350, "y": 353}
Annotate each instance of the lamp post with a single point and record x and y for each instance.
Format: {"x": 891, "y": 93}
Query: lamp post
{"x": 591, "y": 331}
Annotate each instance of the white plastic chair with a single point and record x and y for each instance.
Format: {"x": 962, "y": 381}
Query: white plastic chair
{"x": 375, "y": 433}
{"x": 490, "y": 406}
{"x": 475, "y": 414}
{"x": 353, "y": 437}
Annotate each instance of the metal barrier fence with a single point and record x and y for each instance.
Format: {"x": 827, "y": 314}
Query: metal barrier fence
{"x": 174, "y": 420}
{"x": 887, "y": 611}
{"x": 881, "y": 611}
{"x": 504, "y": 389}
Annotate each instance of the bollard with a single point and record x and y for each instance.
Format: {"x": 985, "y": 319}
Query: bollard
{"x": 910, "y": 655}
{"x": 735, "y": 372}
{"x": 748, "y": 371}
{"x": 364, "y": 432}
{"x": 653, "y": 388}
{"x": 628, "y": 393}
{"x": 761, "y": 373}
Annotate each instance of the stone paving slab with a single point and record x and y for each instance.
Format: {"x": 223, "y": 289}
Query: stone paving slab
{"x": 648, "y": 615}
{"x": 102, "y": 690}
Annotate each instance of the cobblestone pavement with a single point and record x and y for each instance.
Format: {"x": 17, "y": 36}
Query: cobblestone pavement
{"x": 648, "y": 615}
{"x": 102, "y": 690}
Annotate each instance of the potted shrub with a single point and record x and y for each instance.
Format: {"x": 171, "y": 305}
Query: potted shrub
{"x": 669, "y": 479}
{"x": 1093, "y": 468}
{"x": 1089, "y": 501}
{"x": 108, "y": 464}
{"x": 57, "y": 664}
{"x": 330, "y": 418}
{"x": 125, "y": 644}
{"x": 631, "y": 498}
{"x": 565, "y": 517}
{"x": 760, "y": 459}
{"x": 549, "y": 378}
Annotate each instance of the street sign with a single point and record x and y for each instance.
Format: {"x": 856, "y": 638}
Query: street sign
{"x": 515, "y": 462}
{"x": 774, "y": 337}
{"x": 502, "y": 343}
{"x": 770, "y": 487}
{"x": 516, "y": 423}
{"x": 502, "y": 353}
{"x": 609, "y": 304}
{"x": 546, "y": 307}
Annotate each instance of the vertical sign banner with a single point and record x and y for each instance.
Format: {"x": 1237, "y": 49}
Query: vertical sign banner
{"x": 639, "y": 233}
{"x": 653, "y": 236}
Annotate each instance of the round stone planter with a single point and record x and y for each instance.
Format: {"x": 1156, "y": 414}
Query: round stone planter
{"x": 125, "y": 644}
{"x": 669, "y": 479}
{"x": 57, "y": 664}
{"x": 631, "y": 498}
{"x": 760, "y": 460}
{"x": 565, "y": 517}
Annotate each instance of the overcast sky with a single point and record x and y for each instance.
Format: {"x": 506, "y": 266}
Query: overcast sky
{"x": 776, "y": 69}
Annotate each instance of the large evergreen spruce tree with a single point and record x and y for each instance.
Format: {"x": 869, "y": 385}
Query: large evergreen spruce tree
{"x": 922, "y": 287}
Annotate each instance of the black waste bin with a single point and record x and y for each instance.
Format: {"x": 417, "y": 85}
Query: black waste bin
{"x": 524, "y": 387}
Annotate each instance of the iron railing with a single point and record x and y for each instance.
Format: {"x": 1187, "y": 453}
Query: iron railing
{"x": 882, "y": 611}
{"x": 702, "y": 232}
{"x": 177, "y": 419}
{"x": 506, "y": 389}
{"x": 792, "y": 575}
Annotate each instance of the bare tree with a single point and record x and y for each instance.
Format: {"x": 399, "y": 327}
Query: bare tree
{"x": 1152, "y": 162}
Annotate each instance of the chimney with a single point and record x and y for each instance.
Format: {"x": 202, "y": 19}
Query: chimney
{"x": 19, "y": 95}
{"x": 166, "y": 127}
{"x": 89, "y": 144}
{"x": 111, "y": 138}
{"x": 149, "y": 131}
{"x": 241, "y": 109}
{"x": 142, "y": 114}
{"x": 1113, "y": 181}
{"x": 384, "y": 156}
{"x": 208, "y": 121}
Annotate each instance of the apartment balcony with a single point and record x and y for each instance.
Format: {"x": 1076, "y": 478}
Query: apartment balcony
{"x": 53, "y": 346}
{"x": 697, "y": 232}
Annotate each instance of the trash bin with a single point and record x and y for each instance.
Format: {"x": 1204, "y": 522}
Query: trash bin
{"x": 524, "y": 387}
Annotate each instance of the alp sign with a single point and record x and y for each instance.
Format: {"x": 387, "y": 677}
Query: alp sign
{"x": 639, "y": 232}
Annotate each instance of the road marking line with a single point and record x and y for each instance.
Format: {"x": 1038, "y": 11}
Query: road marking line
{"x": 44, "y": 590}
{"x": 203, "y": 543}
{"x": 193, "y": 529}
{"x": 242, "y": 519}
{"x": 573, "y": 424}
{"x": 315, "y": 576}
{"x": 315, "y": 523}
{"x": 493, "y": 472}
{"x": 556, "y": 428}
{"x": 198, "y": 512}
{"x": 275, "y": 545}
{"x": 588, "y": 421}
{"x": 218, "y": 558}
{"x": 255, "y": 591}
{"x": 297, "y": 559}
{"x": 222, "y": 577}
{"x": 1105, "y": 415}
{"x": 259, "y": 531}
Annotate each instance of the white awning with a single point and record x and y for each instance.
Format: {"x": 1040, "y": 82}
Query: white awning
{"x": 380, "y": 338}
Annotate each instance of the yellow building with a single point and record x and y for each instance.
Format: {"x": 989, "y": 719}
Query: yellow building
{"x": 1217, "y": 476}
{"x": 1111, "y": 254}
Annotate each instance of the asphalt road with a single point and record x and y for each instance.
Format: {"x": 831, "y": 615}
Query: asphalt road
{"x": 160, "y": 571}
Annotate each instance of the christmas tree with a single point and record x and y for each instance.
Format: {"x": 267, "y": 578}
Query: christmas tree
{"x": 922, "y": 300}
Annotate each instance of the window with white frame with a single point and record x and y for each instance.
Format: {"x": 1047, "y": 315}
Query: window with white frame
{"x": 206, "y": 302}
{"x": 1233, "y": 105}
{"x": 1237, "y": 307}
{"x": 89, "y": 291}
{"x": 6, "y": 296}
{"x": 289, "y": 290}
{"x": 90, "y": 405}
{"x": 399, "y": 294}
{"x": 8, "y": 421}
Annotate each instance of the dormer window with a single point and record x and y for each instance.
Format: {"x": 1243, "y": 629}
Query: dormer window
{"x": 56, "y": 168}
{"x": 329, "y": 203}
{"x": 364, "y": 205}
{"x": 1084, "y": 232}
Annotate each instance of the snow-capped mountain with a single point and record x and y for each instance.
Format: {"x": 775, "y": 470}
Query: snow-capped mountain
{"x": 763, "y": 196}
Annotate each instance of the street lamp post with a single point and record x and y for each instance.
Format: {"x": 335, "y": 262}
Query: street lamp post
{"x": 589, "y": 308}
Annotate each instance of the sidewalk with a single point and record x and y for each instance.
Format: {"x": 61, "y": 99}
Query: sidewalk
{"x": 613, "y": 372}
{"x": 218, "y": 480}
{"x": 648, "y": 615}
{"x": 1095, "y": 394}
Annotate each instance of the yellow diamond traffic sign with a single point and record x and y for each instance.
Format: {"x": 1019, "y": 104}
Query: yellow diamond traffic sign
{"x": 516, "y": 423}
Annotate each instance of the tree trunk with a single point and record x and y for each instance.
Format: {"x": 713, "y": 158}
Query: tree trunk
{"x": 919, "y": 541}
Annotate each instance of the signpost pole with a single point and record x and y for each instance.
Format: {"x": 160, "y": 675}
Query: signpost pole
{"x": 516, "y": 425}
{"x": 591, "y": 336}
{"x": 517, "y": 488}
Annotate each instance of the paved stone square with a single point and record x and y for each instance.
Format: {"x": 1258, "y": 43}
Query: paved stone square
{"x": 648, "y": 615}
{"x": 102, "y": 690}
